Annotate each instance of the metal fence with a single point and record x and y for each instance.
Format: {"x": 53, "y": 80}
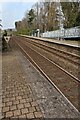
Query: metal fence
{"x": 64, "y": 33}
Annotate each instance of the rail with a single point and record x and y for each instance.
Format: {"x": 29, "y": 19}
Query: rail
{"x": 29, "y": 51}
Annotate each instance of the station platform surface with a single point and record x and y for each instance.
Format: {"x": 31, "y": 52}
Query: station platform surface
{"x": 74, "y": 43}
{"x": 26, "y": 93}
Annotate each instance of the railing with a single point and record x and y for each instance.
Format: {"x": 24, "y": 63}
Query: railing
{"x": 64, "y": 33}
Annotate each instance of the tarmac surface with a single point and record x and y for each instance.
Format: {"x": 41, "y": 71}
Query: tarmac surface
{"x": 26, "y": 93}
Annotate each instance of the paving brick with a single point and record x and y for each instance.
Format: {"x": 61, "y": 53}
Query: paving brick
{"x": 34, "y": 103}
{"x": 38, "y": 114}
{"x": 29, "y": 99}
{"x": 30, "y": 115}
{"x": 22, "y": 101}
{"x": 37, "y": 108}
{"x": 27, "y": 104}
{"x": 16, "y": 102}
{"x": 9, "y": 103}
{"x": 9, "y": 114}
{"x": 17, "y": 112}
{"x": 32, "y": 109}
{"x": 16, "y": 94}
{"x": 3, "y": 104}
{"x": 14, "y": 118}
{"x": 21, "y": 93}
{"x": 19, "y": 97}
{"x": 3, "y": 96}
{"x": 25, "y": 110}
{"x": 6, "y": 100}
{"x": 22, "y": 116}
{"x": 19, "y": 106}
{"x": 12, "y": 98}
{"x": 13, "y": 107}
{"x": 5, "y": 109}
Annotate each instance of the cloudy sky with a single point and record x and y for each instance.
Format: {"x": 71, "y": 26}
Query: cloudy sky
{"x": 13, "y": 10}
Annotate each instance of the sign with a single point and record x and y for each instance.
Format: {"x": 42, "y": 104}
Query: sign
{"x": 7, "y": 38}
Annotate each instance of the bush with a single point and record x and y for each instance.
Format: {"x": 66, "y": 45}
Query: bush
{"x": 24, "y": 32}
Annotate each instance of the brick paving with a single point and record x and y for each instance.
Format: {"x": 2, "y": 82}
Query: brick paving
{"x": 27, "y": 94}
{"x": 17, "y": 99}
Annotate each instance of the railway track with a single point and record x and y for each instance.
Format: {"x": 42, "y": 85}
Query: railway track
{"x": 64, "y": 83}
{"x": 73, "y": 58}
{"x": 69, "y": 62}
{"x": 64, "y": 46}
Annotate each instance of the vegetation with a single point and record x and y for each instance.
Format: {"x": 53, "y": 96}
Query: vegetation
{"x": 71, "y": 14}
{"x": 45, "y": 16}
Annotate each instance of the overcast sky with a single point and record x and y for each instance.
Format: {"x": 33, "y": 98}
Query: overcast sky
{"x": 11, "y": 11}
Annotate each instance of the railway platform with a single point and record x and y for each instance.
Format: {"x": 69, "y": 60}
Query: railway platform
{"x": 74, "y": 43}
{"x": 26, "y": 93}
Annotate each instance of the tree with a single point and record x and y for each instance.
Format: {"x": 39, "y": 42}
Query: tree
{"x": 70, "y": 10}
{"x": 77, "y": 22}
{"x": 31, "y": 17}
{"x": 0, "y": 23}
{"x": 52, "y": 22}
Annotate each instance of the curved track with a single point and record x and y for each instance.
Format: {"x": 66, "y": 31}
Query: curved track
{"x": 66, "y": 84}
